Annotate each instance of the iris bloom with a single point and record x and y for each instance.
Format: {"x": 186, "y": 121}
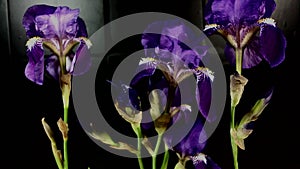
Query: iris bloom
{"x": 170, "y": 54}
{"x": 251, "y": 34}
{"x": 175, "y": 61}
{"x": 61, "y": 30}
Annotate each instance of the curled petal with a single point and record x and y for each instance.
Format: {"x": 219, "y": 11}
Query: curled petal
{"x": 29, "y": 18}
{"x": 193, "y": 142}
{"x": 34, "y": 70}
{"x": 62, "y": 23}
{"x": 82, "y": 58}
{"x": 223, "y": 12}
{"x": 203, "y": 95}
{"x": 202, "y": 161}
{"x": 273, "y": 45}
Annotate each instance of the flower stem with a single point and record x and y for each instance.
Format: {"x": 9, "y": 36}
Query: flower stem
{"x": 56, "y": 156}
{"x": 65, "y": 84}
{"x": 239, "y": 59}
{"x": 139, "y": 146}
{"x": 66, "y": 161}
{"x": 166, "y": 158}
{"x": 156, "y": 151}
{"x": 233, "y": 144}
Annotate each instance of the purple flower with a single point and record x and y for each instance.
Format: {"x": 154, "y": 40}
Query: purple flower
{"x": 239, "y": 21}
{"x": 171, "y": 54}
{"x": 61, "y": 30}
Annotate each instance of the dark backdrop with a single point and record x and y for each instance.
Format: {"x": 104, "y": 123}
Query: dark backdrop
{"x": 274, "y": 143}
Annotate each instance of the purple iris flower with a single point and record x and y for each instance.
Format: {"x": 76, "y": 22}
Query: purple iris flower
{"x": 247, "y": 25}
{"x": 59, "y": 29}
{"x": 168, "y": 60}
{"x": 168, "y": 51}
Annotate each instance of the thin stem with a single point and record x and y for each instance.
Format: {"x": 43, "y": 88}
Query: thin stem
{"x": 233, "y": 144}
{"x": 66, "y": 161}
{"x": 65, "y": 85}
{"x": 166, "y": 158}
{"x": 56, "y": 156}
{"x": 154, "y": 155}
{"x": 239, "y": 59}
{"x": 139, "y": 146}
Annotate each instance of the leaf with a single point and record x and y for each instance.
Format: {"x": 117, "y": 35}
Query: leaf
{"x": 103, "y": 137}
{"x": 128, "y": 114}
{"x": 241, "y": 132}
{"x": 179, "y": 165}
{"x": 156, "y": 104}
{"x": 147, "y": 144}
{"x": 124, "y": 146}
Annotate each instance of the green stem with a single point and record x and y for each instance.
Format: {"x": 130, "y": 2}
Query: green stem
{"x": 166, "y": 158}
{"x": 233, "y": 144}
{"x": 239, "y": 59}
{"x": 156, "y": 151}
{"x": 66, "y": 161}
{"x": 56, "y": 156}
{"x": 137, "y": 130}
{"x": 139, "y": 146}
{"x": 65, "y": 85}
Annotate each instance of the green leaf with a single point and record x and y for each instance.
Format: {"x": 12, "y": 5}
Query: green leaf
{"x": 241, "y": 132}
{"x": 179, "y": 165}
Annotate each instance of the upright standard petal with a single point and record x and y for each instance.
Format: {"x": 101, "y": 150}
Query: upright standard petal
{"x": 61, "y": 24}
{"x": 29, "y": 18}
{"x": 223, "y": 12}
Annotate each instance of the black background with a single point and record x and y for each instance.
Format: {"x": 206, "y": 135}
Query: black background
{"x": 274, "y": 144}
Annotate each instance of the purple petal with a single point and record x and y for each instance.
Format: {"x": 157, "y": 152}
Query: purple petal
{"x": 192, "y": 143}
{"x": 203, "y": 95}
{"x": 223, "y": 12}
{"x": 62, "y": 23}
{"x": 81, "y": 62}
{"x": 273, "y": 45}
{"x": 146, "y": 81}
{"x": 204, "y": 162}
{"x": 52, "y": 66}
{"x": 34, "y": 70}
{"x": 251, "y": 56}
{"x": 30, "y": 15}
{"x": 81, "y": 32}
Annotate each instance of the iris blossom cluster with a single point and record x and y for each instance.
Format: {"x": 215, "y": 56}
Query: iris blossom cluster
{"x": 252, "y": 38}
{"x": 168, "y": 62}
{"x": 56, "y": 38}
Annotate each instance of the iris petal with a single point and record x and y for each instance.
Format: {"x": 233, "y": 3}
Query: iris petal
{"x": 192, "y": 143}
{"x": 82, "y": 59}
{"x": 34, "y": 70}
{"x": 204, "y": 162}
{"x": 52, "y": 66}
{"x": 203, "y": 95}
{"x": 62, "y": 23}
{"x": 30, "y": 15}
{"x": 251, "y": 57}
{"x": 273, "y": 45}
{"x": 223, "y": 12}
